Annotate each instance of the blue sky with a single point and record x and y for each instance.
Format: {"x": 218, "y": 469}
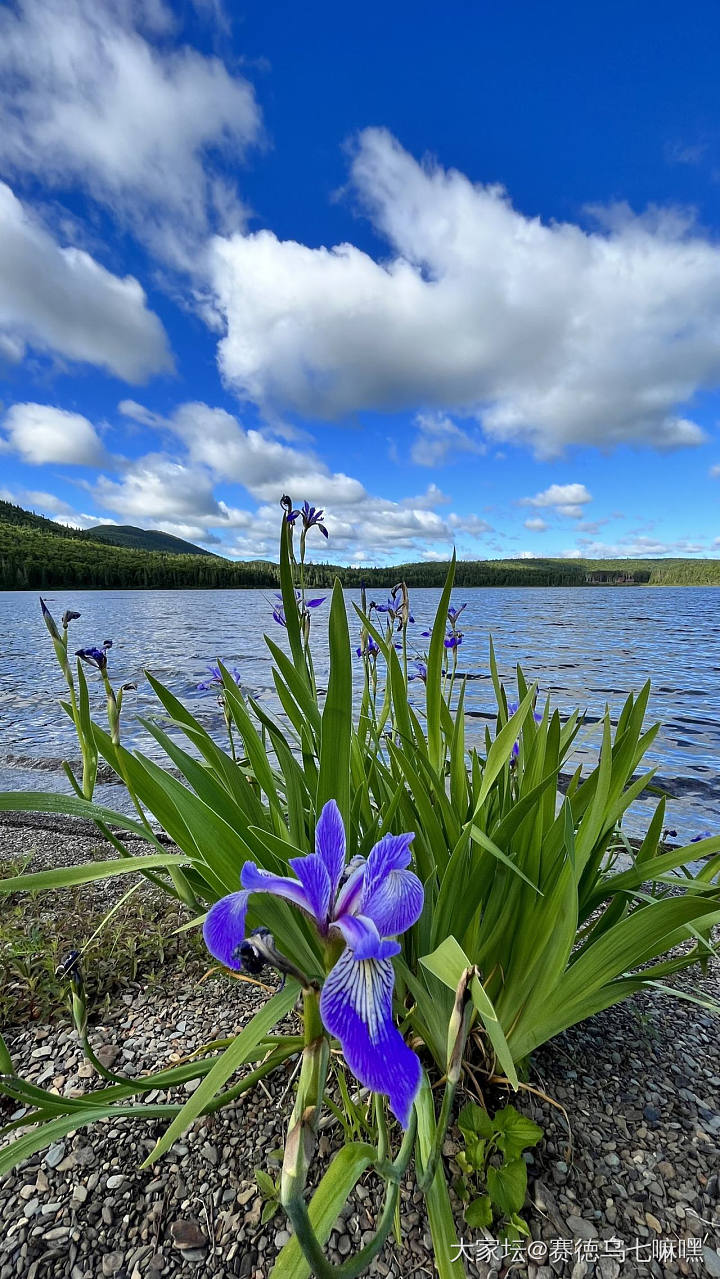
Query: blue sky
{"x": 454, "y": 276}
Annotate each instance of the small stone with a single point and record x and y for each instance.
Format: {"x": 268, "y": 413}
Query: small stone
{"x": 665, "y": 1169}
{"x": 115, "y": 1181}
{"x": 106, "y": 1055}
{"x": 282, "y": 1237}
{"x": 79, "y": 1194}
{"x": 187, "y": 1234}
{"x": 712, "y": 1261}
{"x": 55, "y": 1154}
{"x": 84, "y": 1156}
{"x": 653, "y": 1223}
{"x": 31, "y": 1207}
{"x": 581, "y": 1228}
{"x": 111, "y": 1263}
{"x": 609, "y": 1268}
{"x": 344, "y": 1245}
{"x": 651, "y": 1114}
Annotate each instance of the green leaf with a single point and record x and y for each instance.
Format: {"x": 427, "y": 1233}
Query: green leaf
{"x": 336, "y": 730}
{"x": 236, "y": 1055}
{"x": 475, "y": 1120}
{"x": 447, "y": 1255}
{"x": 489, "y": 1019}
{"x": 266, "y": 1184}
{"x": 6, "y": 1066}
{"x": 517, "y": 1131}
{"x": 324, "y": 1208}
{"x": 433, "y": 684}
{"x": 448, "y": 962}
{"x": 507, "y": 1186}
{"x": 479, "y": 1214}
{"x": 64, "y": 876}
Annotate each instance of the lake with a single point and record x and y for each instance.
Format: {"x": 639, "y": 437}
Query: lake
{"x": 584, "y": 647}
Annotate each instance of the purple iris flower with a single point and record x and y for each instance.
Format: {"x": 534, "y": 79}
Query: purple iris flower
{"x": 454, "y": 641}
{"x": 279, "y": 612}
{"x": 512, "y": 707}
{"x": 370, "y": 650}
{"x": 216, "y": 679}
{"x": 364, "y": 903}
{"x": 454, "y": 613}
{"x": 310, "y": 515}
{"x": 96, "y": 657}
{"x": 704, "y": 834}
{"x": 420, "y": 672}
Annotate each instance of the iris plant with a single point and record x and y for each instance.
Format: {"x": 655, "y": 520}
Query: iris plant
{"x": 358, "y": 908}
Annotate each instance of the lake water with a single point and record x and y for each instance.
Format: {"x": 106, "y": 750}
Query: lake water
{"x": 584, "y": 647}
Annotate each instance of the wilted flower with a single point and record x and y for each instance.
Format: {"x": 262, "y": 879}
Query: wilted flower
{"x": 216, "y": 679}
{"x": 363, "y": 904}
{"x": 96, "y": 657}
{"x": 69, "y": 616}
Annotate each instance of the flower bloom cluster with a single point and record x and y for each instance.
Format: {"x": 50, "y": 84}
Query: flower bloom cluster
{"x": 364, "y": 904}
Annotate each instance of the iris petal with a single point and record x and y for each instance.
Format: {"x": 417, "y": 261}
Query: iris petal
{"x": 356, "y": 1007}
{"x": 364, "y": 939}
{"x": 392, "y": 852}
{"x": 330, "y": 842}
{"x": 313, "y": 875}
{"x": 257, "y": 880}
{"x": 224, "y": 928}
{"x": 396, "y": 903}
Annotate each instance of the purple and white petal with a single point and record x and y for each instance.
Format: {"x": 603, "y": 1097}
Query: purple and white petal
{"x": 392, "y": 852}
{"x": 356, "y": 1007}
{"x": 257, "y": 880}
{"x": 224, "y": 928}
{"x": 350, "y": 895}
{"x": 396, "y": 903}
{"x": 330, "y": 842}
{"x": 364, "y": 939}
{"x": 313, "y": 875}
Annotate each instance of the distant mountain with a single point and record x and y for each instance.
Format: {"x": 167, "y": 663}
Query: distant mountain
{"x": 140, "y": 539}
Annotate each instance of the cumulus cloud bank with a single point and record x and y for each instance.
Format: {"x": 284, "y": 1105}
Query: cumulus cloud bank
{"x": 549, "y": 334}
{"x": 39, "y": 434}
{"x": 61, "y": 300}
{"x": 99, "y": 94}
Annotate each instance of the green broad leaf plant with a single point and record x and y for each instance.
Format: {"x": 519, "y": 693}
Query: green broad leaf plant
{"x": 537, "y": 911}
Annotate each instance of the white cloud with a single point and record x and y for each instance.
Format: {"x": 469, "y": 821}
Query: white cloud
{"x": 438, "y": 439}
{"x": 99, "y": 93}
{"x": 564, "y": 499}
{"x": 536, "y": 525}
{"x": 264, "y": 466}
{"x": 640, "y": 548}
{"x": 61, "y": 300}
{"x": 49, "y": 505}
{"x": 549, "y": 334}
{"x": 39, "y": 433}
{"x": 715, "y": 471}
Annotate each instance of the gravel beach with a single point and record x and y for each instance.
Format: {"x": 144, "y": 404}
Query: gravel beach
{"x": 627, "y": 1184}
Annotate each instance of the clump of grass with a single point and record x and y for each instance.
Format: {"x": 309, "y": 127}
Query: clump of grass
{"x": 121, "y": 941}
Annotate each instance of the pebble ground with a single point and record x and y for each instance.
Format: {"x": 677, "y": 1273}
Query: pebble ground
{"x": 637, "y": 1168}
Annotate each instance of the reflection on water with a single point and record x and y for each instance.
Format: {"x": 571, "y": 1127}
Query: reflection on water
{"x": 584, "y": 647}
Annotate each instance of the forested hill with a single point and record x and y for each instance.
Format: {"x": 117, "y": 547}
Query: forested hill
{"x": 37, "y": 554}
{"x": 141, "y": 539}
